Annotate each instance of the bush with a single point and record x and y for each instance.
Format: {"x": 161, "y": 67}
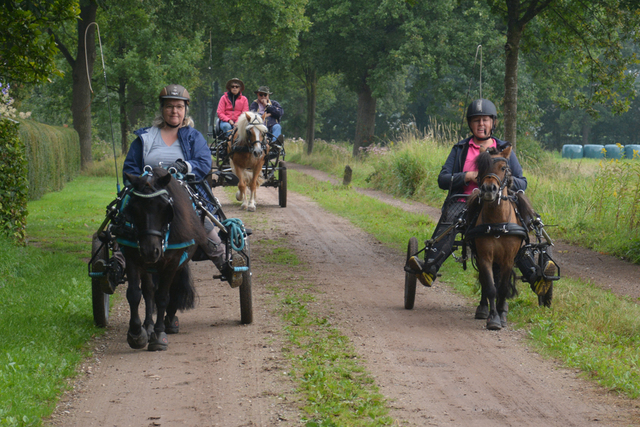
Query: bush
{"x": 53, "y": 156}
{"x": 13, "y": 182}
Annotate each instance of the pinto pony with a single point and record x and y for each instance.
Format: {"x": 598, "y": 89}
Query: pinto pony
{"x": 496, "y": 235}
{"x": 247, "y": 153}
{"x": 166, "y": 233}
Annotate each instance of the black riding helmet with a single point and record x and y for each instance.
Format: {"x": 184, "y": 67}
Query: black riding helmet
{"x": 483, "y": 107}
{"x": 174, "y": 92}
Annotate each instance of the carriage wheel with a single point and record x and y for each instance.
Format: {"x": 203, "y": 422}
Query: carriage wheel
{"x": 410, "y": 279}
{"x": 282, "y": 186}
{"x": 99, "y": 299}
{"x": 246, "y": 304}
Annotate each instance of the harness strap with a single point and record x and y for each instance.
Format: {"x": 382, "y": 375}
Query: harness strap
{"x": 497, "y": 230}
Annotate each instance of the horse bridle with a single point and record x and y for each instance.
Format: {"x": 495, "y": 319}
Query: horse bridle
{"x": 164, "y": 232}
{"x": 502, "y": 182}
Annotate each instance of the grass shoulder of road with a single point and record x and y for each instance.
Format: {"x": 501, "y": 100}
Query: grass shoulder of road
{"x": 586, "y": 328}
{"x": 336, "y": 390}
{"x": 46, "y": 300}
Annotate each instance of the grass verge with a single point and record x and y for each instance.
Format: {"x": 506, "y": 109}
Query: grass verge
{"x": 324, "y": 364}
{"x": 46, "y": 300}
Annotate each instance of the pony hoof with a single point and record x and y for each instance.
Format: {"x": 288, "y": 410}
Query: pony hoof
{"x": 138, "y": 341}
{"x": 251, "y": 209}
{"x": 494, "y": 324}
{"x": 482, "y": 312}
{"x": 503, "y": 319}
{"x": 171, "y": 326}
{"x": 150, "y": 328}
{"x": 238, "y": 196}
{"x": 158, "y": 342}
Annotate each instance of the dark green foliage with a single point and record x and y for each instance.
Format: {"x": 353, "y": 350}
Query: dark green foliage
{"x": 53, "y": 155}
{"x": 13, "y": 182}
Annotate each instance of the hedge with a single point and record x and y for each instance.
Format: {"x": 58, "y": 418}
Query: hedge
{"x": 13, "y": 182}
{"x": 53, "y": 156}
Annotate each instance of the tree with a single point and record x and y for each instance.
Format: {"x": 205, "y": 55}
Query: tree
{"x": 143, "y": 55}
{"x": 370, "y": 42}
{"x": 27, "y": 51}
{"x": 81, "y": 68}
{"x": 588, "y": 32}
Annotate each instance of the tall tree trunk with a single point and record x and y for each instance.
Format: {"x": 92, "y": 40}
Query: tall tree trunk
{"x": 366, "y": 119}
{"x": 82, "y": 65}
{"x": 514, "y": 34}
{"x": 312, "y": 91}
{"x": 199, "y": 111}
{"x": 215, "y": 99}
{"x": 81, "y": 104}
{"x": 124, "y": 122}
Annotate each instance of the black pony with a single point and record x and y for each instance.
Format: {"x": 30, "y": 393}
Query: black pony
{"x": 166, "y": 234}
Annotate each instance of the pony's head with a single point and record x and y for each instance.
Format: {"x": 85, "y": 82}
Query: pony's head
{"x": 494, "y": 175}
{"x": 150, "y": 211}
{"x": 251, "y": 133}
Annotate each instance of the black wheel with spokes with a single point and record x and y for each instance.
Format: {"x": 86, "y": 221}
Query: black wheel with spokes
{"x": 282, "y": 185}
{"x": 100, "y": 300}
{"x": 410, "y": 279}
{"x": 246, "y": 302}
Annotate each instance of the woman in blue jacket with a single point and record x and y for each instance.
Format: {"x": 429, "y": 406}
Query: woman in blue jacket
{"x": 173, "y": 142}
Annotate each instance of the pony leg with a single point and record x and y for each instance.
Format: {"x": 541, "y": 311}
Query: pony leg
{"x": 149, "y": 303}
{"x": 489, "y": 289}
{"x": 254, "y": 186}
{"x": 136, "y": 335}
{"x": 158, "y": 340}
{"x": 241, "y": 194}
{"x": 506, "y": 289}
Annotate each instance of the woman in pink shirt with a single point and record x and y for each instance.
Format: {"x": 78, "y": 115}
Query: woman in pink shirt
{"x": 458, "y": 176}
{"x": 231, "y": 105}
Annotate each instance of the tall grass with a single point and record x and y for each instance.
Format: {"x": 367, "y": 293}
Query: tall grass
{"x": 589, "y": 202}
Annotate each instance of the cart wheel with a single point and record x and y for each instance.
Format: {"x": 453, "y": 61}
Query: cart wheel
{"x": 282, "y": 186}
{"x": 410, "y": 279}
{"x": 99, "y": 299}
{"x": 246, "y": 304}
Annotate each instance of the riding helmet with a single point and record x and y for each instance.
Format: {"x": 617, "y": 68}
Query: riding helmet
{"x": 175, "y": 92}
{"x": 483, "y": 107}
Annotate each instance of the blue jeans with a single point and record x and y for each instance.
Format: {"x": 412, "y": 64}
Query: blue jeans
{"x": 276, "y": 130}
{"x": 225, "y": 127}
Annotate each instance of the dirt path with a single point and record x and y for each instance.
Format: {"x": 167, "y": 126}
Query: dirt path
{"x": 436, "y": 364}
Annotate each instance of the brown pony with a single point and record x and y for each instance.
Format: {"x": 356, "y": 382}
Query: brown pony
{"x": 247, "y": 153}
{"x": 496, "y": 234}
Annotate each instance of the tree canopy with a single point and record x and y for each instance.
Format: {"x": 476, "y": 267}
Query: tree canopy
{"x": 558, "y": 70}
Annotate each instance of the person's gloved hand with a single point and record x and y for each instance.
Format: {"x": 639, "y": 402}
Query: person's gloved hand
{"x": 180, "y": 166}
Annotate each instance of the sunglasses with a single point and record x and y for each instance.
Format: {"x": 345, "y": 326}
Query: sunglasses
{"x": 262, "y": 94}
{"x": 235, "y": 86}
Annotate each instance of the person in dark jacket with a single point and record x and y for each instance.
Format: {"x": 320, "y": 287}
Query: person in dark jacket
{"x": 172, "y": 142}
{"x": 458, "y": 176}
{"x": 269, "y": 108}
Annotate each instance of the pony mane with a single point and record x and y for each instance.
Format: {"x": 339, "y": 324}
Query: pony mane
{"x": 245, "y": 124}
{"x": 484, "y": 162}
